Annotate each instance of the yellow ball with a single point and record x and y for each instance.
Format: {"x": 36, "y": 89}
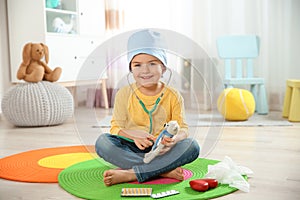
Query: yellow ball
{"x": 236, "y": 104}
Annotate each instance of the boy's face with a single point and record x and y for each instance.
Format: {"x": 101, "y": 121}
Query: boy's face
{"x": 147, "y": 70}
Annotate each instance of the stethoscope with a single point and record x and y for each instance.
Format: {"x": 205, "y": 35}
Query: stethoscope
{"x": 150, "y": 112}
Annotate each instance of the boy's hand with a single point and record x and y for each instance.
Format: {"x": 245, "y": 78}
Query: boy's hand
{"x": 143, "y": 143}
{"x": 142, "y": 139}
{"x": 168, "y": 144}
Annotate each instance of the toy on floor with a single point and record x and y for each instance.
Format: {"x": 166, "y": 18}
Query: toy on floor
{"x": 136, "y": 192}
{"x": 143, "y": 192}
{"x": 203, "y": 185}
{"x": 236, "y": 104}
{"x": 170, "y": 130}
{"x": 32, "y": 68}
{"x": 164, "y": 194}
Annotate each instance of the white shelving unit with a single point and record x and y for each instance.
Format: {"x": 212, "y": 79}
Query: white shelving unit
{"x": 71, "y": 29}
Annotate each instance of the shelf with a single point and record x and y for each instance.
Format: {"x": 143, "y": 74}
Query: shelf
{"x": 83, "y": 21}
{"x": 65, "y": 22}
{"x": 62, "y": 17}
{"x": 60, "y": 11}
{"x": 62, "y": 5}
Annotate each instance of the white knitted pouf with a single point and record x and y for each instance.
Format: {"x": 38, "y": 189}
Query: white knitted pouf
{"x": 37, "y": 104}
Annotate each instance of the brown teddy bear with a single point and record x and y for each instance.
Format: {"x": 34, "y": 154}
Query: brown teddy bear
{"x": 33, "y": 69}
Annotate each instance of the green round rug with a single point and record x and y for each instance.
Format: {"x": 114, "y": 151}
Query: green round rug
{"x": 85, "y": 180}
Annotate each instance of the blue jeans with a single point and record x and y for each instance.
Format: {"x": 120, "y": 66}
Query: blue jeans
{"x": 127, "y": 155}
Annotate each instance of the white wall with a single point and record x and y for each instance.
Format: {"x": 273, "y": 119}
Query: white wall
{"x": 175, "y": 15}
{"x": 4, "y": 57}
{"x": 276, "y": 21}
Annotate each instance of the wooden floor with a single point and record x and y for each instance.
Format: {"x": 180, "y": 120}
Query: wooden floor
{"x": 273, "y": 153}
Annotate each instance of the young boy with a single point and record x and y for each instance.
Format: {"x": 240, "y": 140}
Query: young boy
{"x": 140, "y": 111}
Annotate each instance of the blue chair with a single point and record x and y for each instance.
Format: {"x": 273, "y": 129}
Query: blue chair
{"x": 238, "y": 52}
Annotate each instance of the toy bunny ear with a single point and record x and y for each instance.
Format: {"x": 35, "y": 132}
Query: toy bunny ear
{"x": 46, "y": 50}
{"x": 27, "y": 54}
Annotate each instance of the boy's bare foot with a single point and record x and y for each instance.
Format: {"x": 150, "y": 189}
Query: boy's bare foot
{"x": 175, "y": 173}
{"x": 112, "y": 177}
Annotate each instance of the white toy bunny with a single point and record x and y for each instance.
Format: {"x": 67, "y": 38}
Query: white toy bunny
{"x": 170, "y": 130}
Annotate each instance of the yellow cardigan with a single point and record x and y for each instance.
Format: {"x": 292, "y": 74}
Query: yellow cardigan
{"x": 128, "y": 114}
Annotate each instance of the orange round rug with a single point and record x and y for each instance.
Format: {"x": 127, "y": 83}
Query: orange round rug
{"x": 42, "y": 165}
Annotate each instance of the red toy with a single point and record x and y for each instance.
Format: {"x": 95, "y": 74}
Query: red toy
{"x": 203, "y": 185}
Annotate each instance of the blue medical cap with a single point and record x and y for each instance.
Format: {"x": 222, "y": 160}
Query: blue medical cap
{"x": 148, "y": 42}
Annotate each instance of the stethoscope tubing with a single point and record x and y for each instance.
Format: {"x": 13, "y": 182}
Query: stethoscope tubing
{"x": 149, "y": 112}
